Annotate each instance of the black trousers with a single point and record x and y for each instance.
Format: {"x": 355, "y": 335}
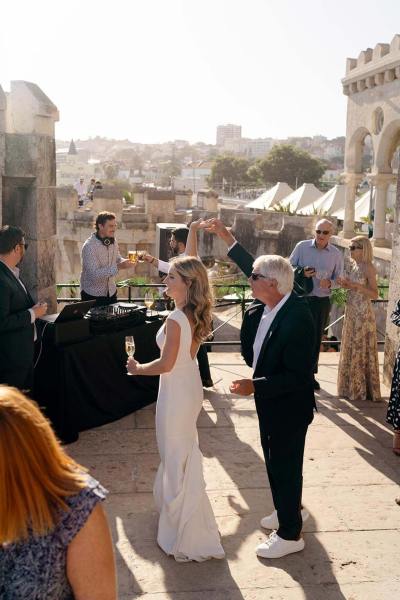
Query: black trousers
{"x": 20, "y": 378}
{"x": 100, "y": 300}
{"x": 320, "y": 309}
{"x": 204, "y": 366}
{"x": 283, "y": 454}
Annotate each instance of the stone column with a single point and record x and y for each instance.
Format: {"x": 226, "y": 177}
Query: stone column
{"x": 29, "y": 190}
{"x": 351, "y": 180}
{"x": 381, "y": 183}
{"x": 3, "y": 104}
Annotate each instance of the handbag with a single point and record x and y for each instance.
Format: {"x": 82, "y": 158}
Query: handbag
{"x": 302, "y": 285}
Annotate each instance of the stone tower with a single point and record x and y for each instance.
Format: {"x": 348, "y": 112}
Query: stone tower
{"x": 28, "y": 181}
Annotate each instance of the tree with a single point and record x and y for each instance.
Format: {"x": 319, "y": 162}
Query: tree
{"x": 291, "y": 165}
{"x": 230, "y": 170}
{"x": 255, "y": 175}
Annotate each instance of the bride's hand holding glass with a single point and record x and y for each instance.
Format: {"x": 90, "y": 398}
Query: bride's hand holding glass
{"x": 132, "y": 366}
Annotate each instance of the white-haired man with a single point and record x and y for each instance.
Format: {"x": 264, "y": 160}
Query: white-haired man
{"x": 277, "y": 337}
{"x": 324, "y": 263}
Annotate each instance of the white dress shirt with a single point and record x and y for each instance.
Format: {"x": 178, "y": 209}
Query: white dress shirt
{"x": 263, "y": 327}
{"x": 164, "y": 266}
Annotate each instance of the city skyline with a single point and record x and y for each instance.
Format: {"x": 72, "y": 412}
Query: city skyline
{"x": 154, "y": 72}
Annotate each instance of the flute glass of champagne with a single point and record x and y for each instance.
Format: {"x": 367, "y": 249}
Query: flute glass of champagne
{"x": 130, "y": 346}
{"x": 149, "y": 301}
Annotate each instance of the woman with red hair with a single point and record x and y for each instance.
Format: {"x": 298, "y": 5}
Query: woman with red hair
{"x": 54, "y": 538}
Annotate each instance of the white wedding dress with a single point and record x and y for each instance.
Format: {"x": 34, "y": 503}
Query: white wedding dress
{"x": 187, "y": 529}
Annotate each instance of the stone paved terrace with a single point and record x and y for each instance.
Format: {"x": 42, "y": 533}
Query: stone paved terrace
{"x": 351, "y": 480}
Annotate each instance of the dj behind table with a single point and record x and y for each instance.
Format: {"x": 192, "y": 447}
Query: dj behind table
{"x": 80, "y": 375}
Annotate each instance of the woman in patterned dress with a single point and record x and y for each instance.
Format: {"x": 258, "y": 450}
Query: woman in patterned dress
{"x": 358, "y": 376}
{"x": 393, "y": 412}
{"x": 55, "y": 543}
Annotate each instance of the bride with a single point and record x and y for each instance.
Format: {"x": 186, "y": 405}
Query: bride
{"x": 187, "y": 529}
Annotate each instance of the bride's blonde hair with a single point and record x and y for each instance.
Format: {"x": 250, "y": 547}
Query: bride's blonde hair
{"x": 199, "y": 297}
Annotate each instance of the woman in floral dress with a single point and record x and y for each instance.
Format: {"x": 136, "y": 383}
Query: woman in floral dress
{"x": 393, "y": 412}
{"x": 358, "y": 377}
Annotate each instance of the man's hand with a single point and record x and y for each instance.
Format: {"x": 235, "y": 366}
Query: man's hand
{"x": 325, "y": 284}
{"x": 125, "y": 264}
{"x": 40, "y": 309}
{"x": 243, "y": 387}
{"x": 309, "y": 271}
{"x": 216, "y": 226}
{"x": 149, "y": 258}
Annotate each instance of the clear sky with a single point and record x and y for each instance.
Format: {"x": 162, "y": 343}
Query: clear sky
{"x": 158, "y": 70}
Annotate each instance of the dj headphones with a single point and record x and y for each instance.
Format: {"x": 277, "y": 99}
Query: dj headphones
{"x": 107, "y": 241}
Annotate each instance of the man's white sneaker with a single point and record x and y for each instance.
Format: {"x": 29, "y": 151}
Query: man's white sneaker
{"x": 276, "y": 547}
{"x": 271, "y": 521}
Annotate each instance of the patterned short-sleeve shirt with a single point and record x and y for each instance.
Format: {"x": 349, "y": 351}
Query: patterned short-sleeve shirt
{"x": 36, "y": 568}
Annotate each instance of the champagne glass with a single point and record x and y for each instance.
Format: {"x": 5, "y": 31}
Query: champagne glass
{"x": 130, "y": 346}
{"x": 132, "y": 256}
{"x": 321, "y": 275}
{"x": 148, "y": 301}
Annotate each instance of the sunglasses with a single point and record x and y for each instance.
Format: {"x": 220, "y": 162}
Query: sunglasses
{"x": 255, "y": 276}
{"x": 24, "y": 244}
{"x": 351, "y": 248}
{"x": 322, "y": 231}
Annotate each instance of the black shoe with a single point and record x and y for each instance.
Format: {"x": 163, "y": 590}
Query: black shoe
{"x": 208, "y": 383}
{"x": 316, "y": 385}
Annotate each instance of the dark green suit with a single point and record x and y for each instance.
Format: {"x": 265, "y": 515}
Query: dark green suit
{"x": 16, "y": 332}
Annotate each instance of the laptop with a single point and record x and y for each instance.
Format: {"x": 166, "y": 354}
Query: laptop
{"x": 70, "y": 312}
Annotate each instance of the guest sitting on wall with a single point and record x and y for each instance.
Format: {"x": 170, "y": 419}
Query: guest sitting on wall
{"x": 55, "y": 542}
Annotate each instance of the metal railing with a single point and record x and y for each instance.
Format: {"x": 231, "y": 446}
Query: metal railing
{"x": 219, "y": 302}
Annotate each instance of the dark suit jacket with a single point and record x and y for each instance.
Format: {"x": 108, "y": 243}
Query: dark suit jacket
{"x": 16, "y": 330}
{"x": 284, "y": 390}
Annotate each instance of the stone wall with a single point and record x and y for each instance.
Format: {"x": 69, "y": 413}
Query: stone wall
{"x": 392, "y": 339}
{"x": 28, "y": 176}
{"x": 267, "y": 233}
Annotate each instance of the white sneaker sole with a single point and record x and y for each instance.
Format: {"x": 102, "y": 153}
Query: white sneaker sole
{"x": 270, "y": 553}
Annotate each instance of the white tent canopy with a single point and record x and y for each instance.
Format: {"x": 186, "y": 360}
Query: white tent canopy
{"x": 271, "y": 196}
{"x": 361, "y": 208}
{"x": 330, "y": 202}
{"x": 304, "y": 195}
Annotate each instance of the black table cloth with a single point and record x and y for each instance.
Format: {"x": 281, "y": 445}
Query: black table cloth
{"x": 85, "y": 384}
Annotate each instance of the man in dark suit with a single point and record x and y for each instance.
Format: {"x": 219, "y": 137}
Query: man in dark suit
{"x": 18, "y": 312}
{"x": 277, "y": 338}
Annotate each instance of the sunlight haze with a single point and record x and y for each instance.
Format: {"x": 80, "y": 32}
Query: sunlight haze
{"x": 159, "y": 70}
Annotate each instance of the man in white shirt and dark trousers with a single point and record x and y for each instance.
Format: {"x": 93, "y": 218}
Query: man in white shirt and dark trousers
{"x": 277, "y": 339}
{"x": 18, "y": 313}
{"x": 101, "y": 262}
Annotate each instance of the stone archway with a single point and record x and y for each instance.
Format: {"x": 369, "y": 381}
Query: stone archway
{"x": 372, "y": 84}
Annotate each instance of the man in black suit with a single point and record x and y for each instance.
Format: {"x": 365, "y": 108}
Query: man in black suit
{"x": 277, "y": 338}
{"x": 18, "y": 312}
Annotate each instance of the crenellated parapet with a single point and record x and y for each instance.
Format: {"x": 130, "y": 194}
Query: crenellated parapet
{"x": 373, "y": 67}
{"x": 28, "y": 110}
